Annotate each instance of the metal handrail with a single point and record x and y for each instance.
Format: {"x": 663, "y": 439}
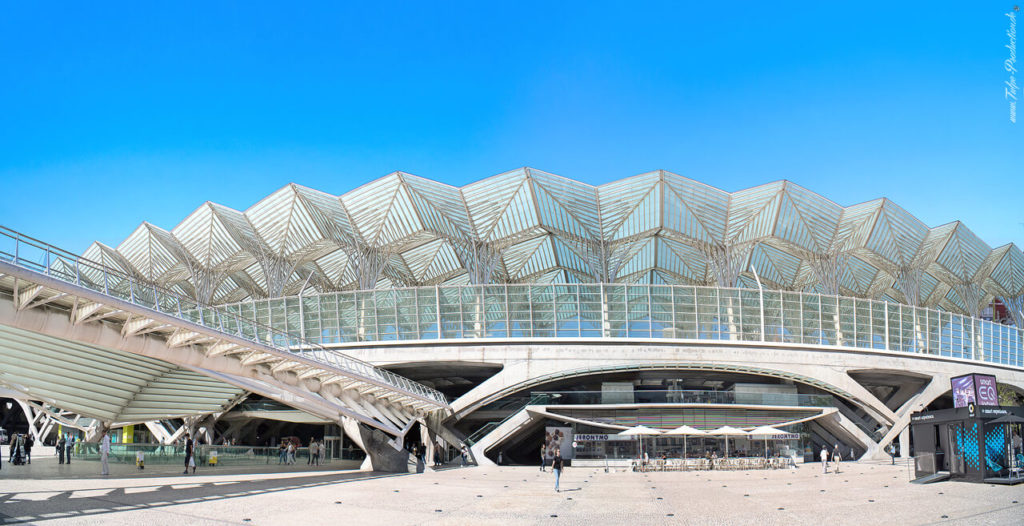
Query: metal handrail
{"x": 534, "y": 399}
{"x": 73, "y": 269}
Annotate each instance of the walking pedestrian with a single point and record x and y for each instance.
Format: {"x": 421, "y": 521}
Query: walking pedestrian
{"x": 824, "y": 459}
{"x": 501, "y": 455}
{"x": 892, "y": 453}
{"x": 282, "y": 452}
{"x": 18, "y": 449}
{"x": 291, "y": 452}
{"x": 61, "y": 444}
{"x": 556, "y": 467}
{"x": 28, "y": 448}
{"x": 542, "y": 459}
{"x": 837, "y": 457}
{"x": 312, "y": 452}
{"x": 105, "y": 452}
{"x": 189, "y": 450}
{"x": 71, "y": 447}
{"x": 464, "y": 454}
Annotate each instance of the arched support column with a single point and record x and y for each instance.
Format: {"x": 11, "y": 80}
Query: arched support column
{"x": 382, "y": 452}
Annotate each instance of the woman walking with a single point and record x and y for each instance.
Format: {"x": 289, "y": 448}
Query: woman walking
{"x": 556, "y": 466}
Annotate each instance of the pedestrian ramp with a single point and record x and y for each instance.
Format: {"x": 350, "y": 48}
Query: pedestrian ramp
{"x": 935, "y": 477}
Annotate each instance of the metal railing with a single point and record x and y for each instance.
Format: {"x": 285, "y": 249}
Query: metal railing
{"x": 42, "y": 258}
{"x": 535, "y": 399}
{"x": 225, "y": 455}
{"x": 676, "y": 312}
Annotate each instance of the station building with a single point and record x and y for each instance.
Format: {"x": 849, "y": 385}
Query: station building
{"x": 492, "y": 314}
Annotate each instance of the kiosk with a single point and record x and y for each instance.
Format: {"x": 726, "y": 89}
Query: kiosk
{"x": 976, "y": 441}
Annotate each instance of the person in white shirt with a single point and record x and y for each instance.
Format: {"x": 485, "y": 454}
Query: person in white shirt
{"x": 824, "y": 459}
{"x": 105, "y": 452}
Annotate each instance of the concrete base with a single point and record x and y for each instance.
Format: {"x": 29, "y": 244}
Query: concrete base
{"x": 381, "y": 455}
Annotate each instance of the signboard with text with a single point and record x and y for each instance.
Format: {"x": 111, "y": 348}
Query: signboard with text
{"x": 978, "y": 389}
{"x": 600, "y": 437}
{"x": 985, "y": 385}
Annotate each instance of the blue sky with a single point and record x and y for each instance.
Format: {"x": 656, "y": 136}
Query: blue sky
{"x": 113, "y": 114}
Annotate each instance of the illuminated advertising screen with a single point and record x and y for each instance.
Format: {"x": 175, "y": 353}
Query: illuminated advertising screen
{"x": 985, "y": 385}
{"x": 963, "y": 390}
{"x": 979, "y": 389}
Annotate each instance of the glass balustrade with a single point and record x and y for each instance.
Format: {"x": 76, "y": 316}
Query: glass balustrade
{"x": 674, "y": 312}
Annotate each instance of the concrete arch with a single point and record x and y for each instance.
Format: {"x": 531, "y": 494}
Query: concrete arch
{"x": 650, "y": 366}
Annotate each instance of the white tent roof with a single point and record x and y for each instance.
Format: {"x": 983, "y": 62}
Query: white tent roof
{"x": 727, "y": 431}
{"x": 640, "y": 430}
{"x": 766, "y": 431}
{"x": 686, "y": 430}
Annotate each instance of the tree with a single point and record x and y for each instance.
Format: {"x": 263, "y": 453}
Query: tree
{"x": 1009, "y": 396}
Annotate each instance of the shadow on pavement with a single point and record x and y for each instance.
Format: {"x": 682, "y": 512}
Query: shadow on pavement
{"x": 29, "y": 506}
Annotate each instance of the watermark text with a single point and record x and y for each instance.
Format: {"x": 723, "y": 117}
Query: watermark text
{"x": 1010, "y": 65}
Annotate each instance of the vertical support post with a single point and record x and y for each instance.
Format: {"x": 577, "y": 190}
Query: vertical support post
{"x": 579, "y": 312}
{"x": 650, "y": 310}
{"x": 604, "y": 313}
{"x": 871, "y": 323}
{"x": 821, "y": 321}
{"x": 801, "y": 299}
{"x": 974, "y": 341}
{"x": 899, "y": 321}
{"x": 437, "y": 307}
{"x": 760, "y": 292}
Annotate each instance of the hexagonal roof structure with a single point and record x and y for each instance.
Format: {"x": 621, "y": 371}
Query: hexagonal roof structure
{"x": 527, "y": 225}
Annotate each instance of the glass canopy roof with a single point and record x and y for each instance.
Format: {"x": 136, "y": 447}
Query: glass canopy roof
{"x": 529, "y": 226}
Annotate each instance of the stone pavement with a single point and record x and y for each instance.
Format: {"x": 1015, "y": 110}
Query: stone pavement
{"x": 863, "y": 493}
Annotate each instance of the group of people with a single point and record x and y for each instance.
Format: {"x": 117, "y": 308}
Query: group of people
{"x": 317, "y": 452}
{"x": 288, "y": 447}
{"x": 65, "y": 444}
{"x": 21, "y": 449}
{"x": 836, "y": 458}
{"x": 286, "y": 452}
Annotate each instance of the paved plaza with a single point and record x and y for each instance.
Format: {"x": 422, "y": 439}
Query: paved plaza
{"x": 863, "y": 493}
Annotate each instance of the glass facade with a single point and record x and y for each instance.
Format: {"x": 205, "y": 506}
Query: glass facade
{"x": 631, "y": 311}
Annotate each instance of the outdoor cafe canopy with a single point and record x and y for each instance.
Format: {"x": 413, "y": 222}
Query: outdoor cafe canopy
{"x": 727, "y": 431}
{"x": 766, "y": 431}
{"x": 640, "y": 432}
{"x": 685, "y": 431}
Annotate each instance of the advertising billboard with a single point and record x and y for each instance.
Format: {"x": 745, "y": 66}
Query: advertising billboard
{"x": 985, "y": 385}
{"x": 963, "y": 390}
{"x": 979, "y": 389}
{"x": 558, "y": 438}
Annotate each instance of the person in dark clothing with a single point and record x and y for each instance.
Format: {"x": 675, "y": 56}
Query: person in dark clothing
{"x": 28, "y": 448}
{"x": 189, "y": 461}
{"x": 556, "y": 466}
{"x": 61, "y": 444}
